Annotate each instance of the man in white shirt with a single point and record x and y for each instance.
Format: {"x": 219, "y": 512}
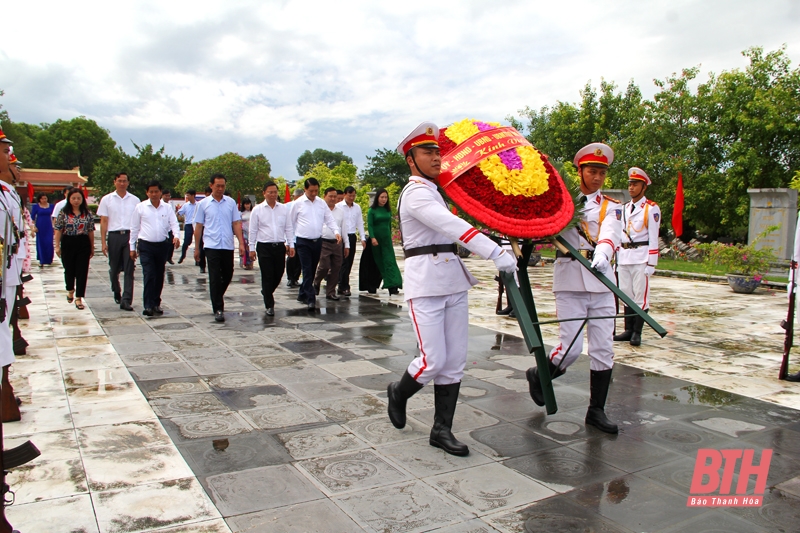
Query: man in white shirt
{"x": 293, "y": 269}
{"x": 355, "y": 221}
{"x": 60, "y": 205}
{"x": 308, "y": 216}
{"x": 115, "y": 212}
{"x": 151, "y": 223}
{"x": 332, "y": 255}
{"x": 187, "y": 211}
{"x": 216, "y": 222}
{"x": 271, "y": 238}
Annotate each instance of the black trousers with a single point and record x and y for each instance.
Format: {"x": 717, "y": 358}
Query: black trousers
{"x": 309, "y": 251}
{"x": 347, "y": 265}
{"x": 153, "y": 256}
{"x": 202, "y": 263}
{"x": 119, "y": 260}
{"x": 220, "y": 274}
{"x": 271, "y": 262}
{"x": 293, "y": 269}
{"x": 75, "y": 250}
{"x": 188, "y": 235}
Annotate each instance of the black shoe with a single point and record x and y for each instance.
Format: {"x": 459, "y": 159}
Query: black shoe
{"x": 600, "y": 380}
{"x": 148, "y": 312}
{"x": 270, "y": 311}
{"x": 794, "y": 378}
{"x": 505, "y": 311}
{"x": 158, "y": 311}
{"x": 445, "y": 399}
{"x": 302, "y": 300}
{"x": 334, "y": 297}
{"x": 117, "y": 298}
{"x": 345, "y": 293}
{"x": 202, "y": 270}
{"x": 180, "y": 260}
{"x": 624, "y": 336}
{"x": 512, "y": 314}
{"x": 316, "y": 289}
{"x": 311, "y": 306}
{"x": 638, "y": 324}
{"x": 219, "y": 316}
{"x": 394, "y": 290}
{"x": 170, "y": 261}
{"x": 20, "y": 346}
{"x": 535, "y": 386}
{"x": 398, "y": 394}
{"x": 25, "y": 278}
{"x": 125, "y": 306}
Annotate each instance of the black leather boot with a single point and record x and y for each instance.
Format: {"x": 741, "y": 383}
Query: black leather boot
{"x": 535, "y": 386}
{"x": 638, "y": 324}
{"x": 445, "y": 398}
{"x": 596, "y": 416}
{"x": 626, "y": 335}
{"x": 505, "y": 311}
{"x": 398, "y": 393}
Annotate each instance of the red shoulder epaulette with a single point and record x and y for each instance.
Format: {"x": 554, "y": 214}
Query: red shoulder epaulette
{"x": 651, "y": 202}
{"x": 611, "y": 199}
{"x": 4, "y": 188}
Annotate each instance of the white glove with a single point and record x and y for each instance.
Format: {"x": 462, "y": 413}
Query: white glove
{"x": 600, "y": 263}
{"x": 649, "y": 270}
{"x": 506, "y": 262}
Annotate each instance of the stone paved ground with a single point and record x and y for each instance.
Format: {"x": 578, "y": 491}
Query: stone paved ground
{"x": 278, "y": 424}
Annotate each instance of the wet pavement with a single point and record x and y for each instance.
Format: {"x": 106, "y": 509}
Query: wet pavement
{"x": 279, "y": 423}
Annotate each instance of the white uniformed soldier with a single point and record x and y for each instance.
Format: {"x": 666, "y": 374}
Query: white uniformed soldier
{"x": 579, "y": 294}
{"x": 793, "y": 275}
{"x": 10, "y": 227}
{"x": 638, "y": 255}
{"x": 435, "y": 285}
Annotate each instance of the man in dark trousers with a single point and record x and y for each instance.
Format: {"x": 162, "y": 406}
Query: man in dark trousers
{"x": 217, "y": 220}
{"x": 151, "y": 224}
{"x": 293, "y": 269}
{"x": 187, "y": 211}
{"x": 355, "y": 222}
{"x": 115, "y": 212}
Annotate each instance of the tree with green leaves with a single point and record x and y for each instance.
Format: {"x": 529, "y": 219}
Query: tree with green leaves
{"x": 309, "y": 160}
{"x": 384, "y": 168}
{"x": 146, "y": 165}
{"x": 246, "y": 175}
{"x": 66, "y": 144}
{"x": 340, "y": 176}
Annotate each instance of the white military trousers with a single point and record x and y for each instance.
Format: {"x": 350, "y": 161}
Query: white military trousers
{"x": 635, "y": 283}
{"x": 441, "y": 324}
{"x": 6, "y": 338}
{"x": 600, "y": 333}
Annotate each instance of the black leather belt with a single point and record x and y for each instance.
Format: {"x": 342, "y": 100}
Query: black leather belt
{"x": 431, "y": 249}
{"x": 119, "y": 232}
{"x": 588, "y": 254}
{"x": 271, "y": 243}
{"x": 329, "y": 240}
{"x": 630, "y": 245}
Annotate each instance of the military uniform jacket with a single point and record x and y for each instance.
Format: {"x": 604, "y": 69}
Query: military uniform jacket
{"x": 11, "y": 204}
{"x": 640, "y": 223}
{"x": 424, "y": 221}
{"x": 602, "y": 224}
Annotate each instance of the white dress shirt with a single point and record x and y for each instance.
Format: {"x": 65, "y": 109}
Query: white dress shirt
{"x": 118, "y": 209}
{"x": 59, "y": 207}
{"x": 270, "y": 224}
{"x": 308, "y": 218}
{"x": 152, "y": 224}
{"x": 354, "y": 217}
{"x": 340, "y": 216}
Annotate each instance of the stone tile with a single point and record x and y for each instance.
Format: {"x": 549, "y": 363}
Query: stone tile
{"x": 73, "y": 364}
{"x": 319, "y": 516}
{"x": 352, "y": 471}
{"x": 40, "y": 420}
{"x": 331, "y": 357}
{"x": 41, "y": 515}
{"x": 320, "y": 441}
{"x": 160, "y": 388}
{"x": 151, "y": 359}
{"x": 135, "y": 466}
{"x": 316, "y": 391}
{"x": 345, "y": 409}
{"x": 80, "y": 351}
{"x": 714, "y": 521}
{"x": 300, "y": 373}
{"x": 263, "y": 350}
{"x": 260, "y": 488}
{"x": 506, "y": 406}
{"x": 422, "y": 459}
{"x": 252, "y": 397}
{"x": 238, "y": 381}
{"x": 165, "y": 371}
{"x": 114, "y": 438}
{"x": 553, "y": 514}
{"x": 108, "y": 392}
{"x": 206, "y": 526}
{"x": 404, "y": 508}
{"x": 353, "y": 369}
{"x": 221, "y": 424}
{"x": 234, "y": 453}
{"x": 508, "y": 440}
{"x": 130, "y": 338}
{"x": 467, "y": 418}
{"x": 54, "y": 445}
{"x": 562, "y": 469}
{"x": 376, "y": 383}
{"x": 682, "y": 437}
{"x": 471, "y": 526}
{"x": 275, "y": 361}
{"x": 138, "y": 348}
{"x": 187, "y": 404}
{"x": 779, "y": 512}
{"x": 221, "y": 366}
{"x": 379, "y": 430}
{"x": 110, "y": 412}
{"x": 45, "y": 480}
{"x": 489, "y": 488}
{"x": 624, "y": 453}
{"x": 308, "y": 346}
{"x": 71, "y": 342}
{"x": 282, "y": 416}
{"x": 565, "y": 427}
{"x": 145, "y": 507}
{"x": 621, "y": 499}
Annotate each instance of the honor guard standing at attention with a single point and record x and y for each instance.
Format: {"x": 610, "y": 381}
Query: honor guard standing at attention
{"x": 579, "y": 294}
{"x": 638, "y": 254}
{"x": 436, "y": 284}
{"x": 10, "y": 224}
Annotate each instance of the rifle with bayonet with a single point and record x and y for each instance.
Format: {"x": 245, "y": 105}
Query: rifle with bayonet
{"x": 788, "y": 326}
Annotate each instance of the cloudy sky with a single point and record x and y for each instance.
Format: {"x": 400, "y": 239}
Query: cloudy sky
{"x": 278, "y": 78}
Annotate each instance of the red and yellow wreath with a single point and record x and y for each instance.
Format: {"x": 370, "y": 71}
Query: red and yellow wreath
{"x": 494, "y": 175}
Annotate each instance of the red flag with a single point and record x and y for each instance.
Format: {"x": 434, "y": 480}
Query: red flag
{"x": 677, "y": 211}
{"x": 286, "y": 196}
{"x": 30, "y": 192}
